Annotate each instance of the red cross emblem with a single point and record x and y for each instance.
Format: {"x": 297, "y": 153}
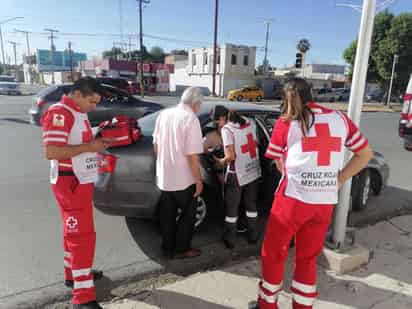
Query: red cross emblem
{"x": 58, "y": 120}
{"x": 71, "y": 222}
{"x": 323, "y": 143}
{"x": 250, "y": 147}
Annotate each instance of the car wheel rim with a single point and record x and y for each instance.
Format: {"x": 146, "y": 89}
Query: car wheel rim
{"x": 366, "y": 190}
{"x": 201, "y": 210}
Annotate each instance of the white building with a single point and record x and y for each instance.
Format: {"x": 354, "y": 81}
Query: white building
{"x": 235, "y": 68}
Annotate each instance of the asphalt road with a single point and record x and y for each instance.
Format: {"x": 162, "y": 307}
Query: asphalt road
{"x": 31, "y": 258}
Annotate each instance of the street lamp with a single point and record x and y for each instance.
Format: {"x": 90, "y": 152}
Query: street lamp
{"x": 395, "y": 61}
{"x": 1, "y": 38}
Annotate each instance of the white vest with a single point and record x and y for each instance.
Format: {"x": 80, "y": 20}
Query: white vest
{"x": 313, "y": 163}
{"x": 85, "y": 165}
{"x": 247, "y": 163}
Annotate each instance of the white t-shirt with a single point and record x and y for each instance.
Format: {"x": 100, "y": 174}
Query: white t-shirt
{"x": 177, "y": 134}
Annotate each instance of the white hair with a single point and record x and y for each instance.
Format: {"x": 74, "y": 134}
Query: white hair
{"x": 191, "y": 96}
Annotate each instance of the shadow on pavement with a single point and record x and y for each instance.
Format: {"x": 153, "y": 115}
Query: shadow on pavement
{"x": 172, "y": 300}
{"x": 16, "y": 120}
{"x": 390, "y": 203}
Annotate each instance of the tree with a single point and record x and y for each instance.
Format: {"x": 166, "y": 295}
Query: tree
{"x": 114, "y": 53}
{"x": 179, "y": 52}
{"x": 303, "y": 46}
{"x": 392, "y": 35}
{"x": 157, "y": 54}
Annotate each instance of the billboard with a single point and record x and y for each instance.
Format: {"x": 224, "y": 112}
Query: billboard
{"x": 61, "y": 61}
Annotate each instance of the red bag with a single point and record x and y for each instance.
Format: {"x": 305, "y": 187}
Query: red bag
{"x": 122, "y": 129}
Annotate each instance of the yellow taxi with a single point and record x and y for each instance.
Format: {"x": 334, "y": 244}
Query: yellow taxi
{"x": 248, "y": 93}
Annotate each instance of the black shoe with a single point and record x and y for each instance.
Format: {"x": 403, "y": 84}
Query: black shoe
{"x": 91, "y": 305}
{"x": 97, "y": 275}
{"x": 253, "y": 305}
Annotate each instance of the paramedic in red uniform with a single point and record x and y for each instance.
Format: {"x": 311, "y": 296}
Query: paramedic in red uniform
{"x": 69, "y": 145}
{"x": 242, "y": 173}
{"x": 308, "y": 145}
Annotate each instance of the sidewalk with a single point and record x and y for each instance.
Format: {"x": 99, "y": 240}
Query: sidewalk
{"x": 385, "y": 283}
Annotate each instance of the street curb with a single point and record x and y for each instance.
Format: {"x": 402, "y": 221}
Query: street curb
{"x": 56, "y": 296}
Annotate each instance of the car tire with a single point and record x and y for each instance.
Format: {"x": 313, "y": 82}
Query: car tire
{"x": 239, "y": 98}
{"x": 361, "y": 197}
{"x": 407, "y": 146}
{"x": 258, "y": 98}
{"x": 201, "y": 212}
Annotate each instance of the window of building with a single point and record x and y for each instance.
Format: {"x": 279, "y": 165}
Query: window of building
{"x": 204, "y": 58}
{"x": 246, "y": 60}
{"x": 194, "y": 59}
{"x": 234, "y": 59}
{"x": 218, "y": 59}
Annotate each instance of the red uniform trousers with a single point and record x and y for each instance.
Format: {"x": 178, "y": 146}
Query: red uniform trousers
{"x": 75, "y": 201}
{"x": 308, "y": 223}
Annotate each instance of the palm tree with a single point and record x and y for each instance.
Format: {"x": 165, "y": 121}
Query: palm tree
{"x": 303, "y": 46}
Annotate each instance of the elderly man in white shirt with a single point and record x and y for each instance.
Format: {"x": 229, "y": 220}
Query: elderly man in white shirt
{"x": 177, "y": 140}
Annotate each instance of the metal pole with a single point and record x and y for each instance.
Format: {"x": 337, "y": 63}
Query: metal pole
{"x": 354, "y": 111}
{"x": 71, "y": 61}
{"x": 395, "y": 60}
{"x": 215, "y": 49}
{"x": 141, "y": 47}
{"x": 2, "y": 51}
{"x": 265, "y": 61}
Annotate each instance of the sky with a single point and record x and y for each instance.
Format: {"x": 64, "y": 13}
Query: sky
{"x": 93, "y": 25}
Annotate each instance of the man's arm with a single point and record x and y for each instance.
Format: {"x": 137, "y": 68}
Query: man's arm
{"x": 358, "y": 162}
{"x": 194, "y": 164}
{"x": 54, "y": 152}
{"x": 229, "y": 155}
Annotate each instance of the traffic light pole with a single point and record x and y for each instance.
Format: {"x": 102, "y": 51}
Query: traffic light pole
{"x": 354, "y": 112}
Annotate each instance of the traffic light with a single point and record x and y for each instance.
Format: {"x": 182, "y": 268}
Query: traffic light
{"x": 298, "y": 63}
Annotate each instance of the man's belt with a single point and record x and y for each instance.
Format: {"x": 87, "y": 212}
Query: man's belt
{"x": 66, "y": 173}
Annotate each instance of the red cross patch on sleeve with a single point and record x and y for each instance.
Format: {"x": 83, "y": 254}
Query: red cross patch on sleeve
{"x": 58, "y": 120}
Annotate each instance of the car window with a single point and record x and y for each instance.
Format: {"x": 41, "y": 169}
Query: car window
{"x": 112, "y": 95}
{"x": 55, "y": 95}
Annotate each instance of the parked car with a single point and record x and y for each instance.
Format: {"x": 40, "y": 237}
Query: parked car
{"x": 342, "y": 94}
{"x": 324, "y": 95}
{"x": 114, "y": 102}
{"x": 126, "y": 184}
{"x": 120, "y": 83}
{"x": 7, "y": 78}
{"x": 405, "y": 122}
{"x": 9, "y": 88}
{"x": 374, "y": 96}
{"x": 249, "y": 93}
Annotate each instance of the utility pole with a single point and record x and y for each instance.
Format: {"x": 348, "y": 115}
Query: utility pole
{"x": 141, "y": 2}
{"x": 121, "y": 21}
{"x": 215, "y": 50}
{"x": 26, "y": 33}
{"x": 395, "y": 61}
{"x": 71, "y": 60}
{"x": 14, "y": 44}
{"x": 354, "y": 112}
{"x": 1, "y": 40}
{"x": 265, "y": 61}
{"x": 52, "y": 49}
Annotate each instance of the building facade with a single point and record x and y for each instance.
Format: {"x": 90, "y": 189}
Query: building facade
{"x": 235, "y": 68}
